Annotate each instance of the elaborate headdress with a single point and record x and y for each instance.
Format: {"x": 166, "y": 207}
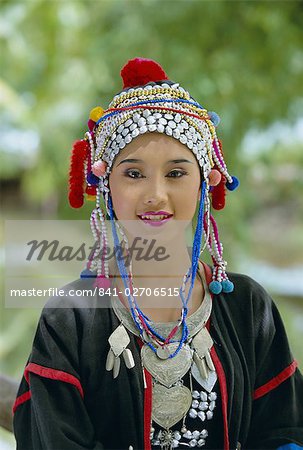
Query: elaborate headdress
{"x": 150, "y": 102}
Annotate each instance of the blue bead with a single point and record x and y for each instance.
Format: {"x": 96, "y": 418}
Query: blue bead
{"x": 86, "y": 273}
{"x": 214, "y": 118}
{"x": 92, "y": 179}
{"x": 233, "y": 185}
{"x": 215, "y": 287}
{"x": 227, "y": 286}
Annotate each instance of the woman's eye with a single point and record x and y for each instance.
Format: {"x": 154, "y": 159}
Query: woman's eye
{"x": 132, "y": 173}
{"x": 177, "y": 173}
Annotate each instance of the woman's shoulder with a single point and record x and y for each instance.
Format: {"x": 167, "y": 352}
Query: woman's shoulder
{"x": 76, "y": 305}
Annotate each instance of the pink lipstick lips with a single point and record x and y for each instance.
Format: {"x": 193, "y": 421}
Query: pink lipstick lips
{"x": 155, "y": 219}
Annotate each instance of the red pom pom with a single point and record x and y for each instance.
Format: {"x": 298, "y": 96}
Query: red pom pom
{"x": 91, "y": 190}
{"x": 218, "y": 194}
{"x": 140, "y": 71}
{"x": 79, "y": 154}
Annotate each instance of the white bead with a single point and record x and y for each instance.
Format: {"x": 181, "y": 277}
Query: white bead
{"x": 135, "y": 132}
{"x": 128, "y": 139}
{"x": 150, "y": 120}
{"x": 195, "y": 394}
{"x": 187, "y": 435}
{"x": 125, "y": 132}
{"x": 136, "y": 117}
{"x": 196, "y": 434}
{"x": 172, "y": 124}
{"x": 152, "y": 127}
{"x": 201, "y": 415}
{"x": 193, "y": 413}
{"x": 122, "y": 144}
{"x": 204, "y": 434}
{"x": 157, "y": 115}
{"x": 163, "y": 121}
{"x": 190, "y": 144}
{"x": 212, "y": 396}
{"x": 141, "y": 122}
{"x": 203, "y": 396}
{"x": 120, "y": 129}
{"x": 160, "y": 128}
{"x": 193, "y": 443}
{"x": 143, "y": 129}
{"x": 176, "y": 133}
{"x": 209, "y": 415}
{"x": 183, "y": 139}
{"x": 146, "y": 112}
{"x": 212, "y": 405}
{"x": 168, "y": 131}
{"x": 201, "y": 442}
{"x": 133, "y": 126}
{"x": 168, "y": 116}
{"x": 128, "y": 122}
{"x": 195, "y": 404}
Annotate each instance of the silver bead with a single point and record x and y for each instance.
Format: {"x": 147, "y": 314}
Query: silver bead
{"x": 204, "y": 434}
{"x": 172, "y": 124}
{"x": 135, "y": 132}
{"x": 168, "y": 116}
{"x": 176, "y": 133}
{"x": 203, "y": 406}
{"x": 212, "y": 396}
{"x": 168, "y": 131}
{"x": 150, "y": 120}
{"x": 193, "y": 413}
{"x": 143, "y": 129}
{"x": 183, "y": 139}
{"x": 195, "y": 404}
{"x": 183, "y": 429}
{"x": 141, "y": 122}
{"x": 175, "y": 443}
{"x": 209, "y": 415}
{"x": 177, "y": 435}
{"x": 152, "y": 127}
{"x": 201, "y": 442}
{"x": 203, "y": 396}
{"x": 201, "y": 415}
{"x": 196, "y": 434}
{"x": 212, "y": 405}
{"x": 193, "y": 443}
{"x": 195, "y": 394}
{"x": 187, "y": 434}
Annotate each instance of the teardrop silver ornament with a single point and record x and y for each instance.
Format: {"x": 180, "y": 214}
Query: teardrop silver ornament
{"x": 128, "y": 358}
{"x": 116, "y": 367}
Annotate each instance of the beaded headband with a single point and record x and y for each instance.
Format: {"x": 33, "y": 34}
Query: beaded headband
{"x": 150, "y": 103}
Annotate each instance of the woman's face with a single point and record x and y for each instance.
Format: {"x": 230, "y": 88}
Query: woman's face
{"x": 155, "y": 173}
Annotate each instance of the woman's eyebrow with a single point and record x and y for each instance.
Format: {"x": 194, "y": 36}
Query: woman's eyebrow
{"x": 175, "y": 161}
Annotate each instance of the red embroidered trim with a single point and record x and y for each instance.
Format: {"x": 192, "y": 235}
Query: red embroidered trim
{"x": 275, "y": 381}
{"x": 219, "y": 369}
{"x": 53, "y": 374}
{"x": 148, "y": 391}
{"x": 46, "y": 372}
{"x": 21, "y": 399}
{"x": 224, "y": 394}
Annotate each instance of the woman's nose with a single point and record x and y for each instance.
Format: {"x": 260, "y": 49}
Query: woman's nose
{"x": 156, "y": 194}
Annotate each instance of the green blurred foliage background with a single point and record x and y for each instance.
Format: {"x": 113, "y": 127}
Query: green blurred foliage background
{"x": 242, "y": 59}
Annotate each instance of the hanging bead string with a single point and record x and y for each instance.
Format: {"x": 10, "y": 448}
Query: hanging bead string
{"x": 140, "y": 319}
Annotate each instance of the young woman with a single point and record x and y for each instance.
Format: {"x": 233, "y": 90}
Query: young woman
{"x": 170, "y": 352}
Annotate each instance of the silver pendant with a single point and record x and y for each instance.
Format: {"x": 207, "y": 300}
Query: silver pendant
{"x": 208, "y": 383}
{"x": 167, "y": 371}
{"x": 118, "y": 340}
{"x": 170, "y": 404}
